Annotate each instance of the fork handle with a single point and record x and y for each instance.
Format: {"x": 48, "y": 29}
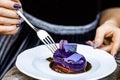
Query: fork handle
{"x": 25, "y": 19}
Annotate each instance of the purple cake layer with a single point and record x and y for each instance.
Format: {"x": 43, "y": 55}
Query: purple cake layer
{"x": 74, "y": 62}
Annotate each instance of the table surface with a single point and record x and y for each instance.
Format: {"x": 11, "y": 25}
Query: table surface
{"x": 15, "y": 74}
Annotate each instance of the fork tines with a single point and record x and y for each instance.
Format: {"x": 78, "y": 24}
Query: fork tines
{"x": 48, "y": 41}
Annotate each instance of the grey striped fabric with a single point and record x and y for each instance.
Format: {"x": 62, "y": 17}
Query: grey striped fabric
{"x": 6, "y": 42}
{"x": 12, "y": 46}
{"x": 61, "y": 29}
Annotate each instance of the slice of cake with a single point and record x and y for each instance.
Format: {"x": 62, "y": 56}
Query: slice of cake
{"x": 67, "y": 59}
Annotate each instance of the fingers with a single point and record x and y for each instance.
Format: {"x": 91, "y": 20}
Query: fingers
{"x": 116, "y": 43}
{"x": 99, "y": 37}
{"x": 9, "y": 21}
{"x": 8, "y": 29}
{"x": 110, "y": 44}
{"x": 8, "y": 4}
{"x": 11, "y": 32}
{"x": 8, "y": 8}
{"x": 91, "y": 43}
{"x": 106, "y": 47}
{"x": 8, "y": 13}
{"x": 8, "y": 17}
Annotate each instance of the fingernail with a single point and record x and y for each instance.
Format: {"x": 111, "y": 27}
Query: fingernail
{"x": 95, "y": 45}
{"x": 87, "y": 43}
{"x": 21, "y": 20}
{"x": 17, "y": 6}
{"x": 17, "y": 25}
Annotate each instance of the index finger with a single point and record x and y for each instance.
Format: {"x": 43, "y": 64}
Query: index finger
{"x": 8, "y": 4}
{"x": 99, "y": 37}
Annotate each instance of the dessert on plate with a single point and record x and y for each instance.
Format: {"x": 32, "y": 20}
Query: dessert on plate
{"x": 67, "y": 60}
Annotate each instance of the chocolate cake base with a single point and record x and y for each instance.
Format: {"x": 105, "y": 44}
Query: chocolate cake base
{"x": 61, "y": 69}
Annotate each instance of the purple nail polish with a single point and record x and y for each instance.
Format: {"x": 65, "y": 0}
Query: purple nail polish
{"x": 95, "y": 45}
{"x": 21, "y": 20}
{"x": 87, "y": 43}
{"x": 17, "y": 6}
{"x": 17, "y": 25}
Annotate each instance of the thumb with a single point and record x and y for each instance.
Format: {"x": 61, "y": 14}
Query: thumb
{"x": 99, "y": 37}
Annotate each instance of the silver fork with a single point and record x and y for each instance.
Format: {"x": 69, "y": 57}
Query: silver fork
{"x": 42, "y": 34}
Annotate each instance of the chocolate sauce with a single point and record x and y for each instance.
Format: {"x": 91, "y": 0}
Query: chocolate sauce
{"x": 59, "y": 69}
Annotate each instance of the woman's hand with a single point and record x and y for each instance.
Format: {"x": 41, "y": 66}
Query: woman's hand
{"x": 9, "y": 20}
{"x": 107, "y": 38}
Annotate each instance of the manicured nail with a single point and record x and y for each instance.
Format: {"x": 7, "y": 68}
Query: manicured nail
{"x": 21, "y": 20}
{"x": 95, "y": 45}
{"x": 87, "y": 43}
{"x": 17, "y": 25}
{"x": 17, "y": 6}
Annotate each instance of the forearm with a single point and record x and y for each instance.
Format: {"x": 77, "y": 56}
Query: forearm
{"x": 111, "y": 15}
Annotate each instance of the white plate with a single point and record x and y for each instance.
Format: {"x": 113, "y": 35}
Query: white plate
{"x": 32, "y": 62}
